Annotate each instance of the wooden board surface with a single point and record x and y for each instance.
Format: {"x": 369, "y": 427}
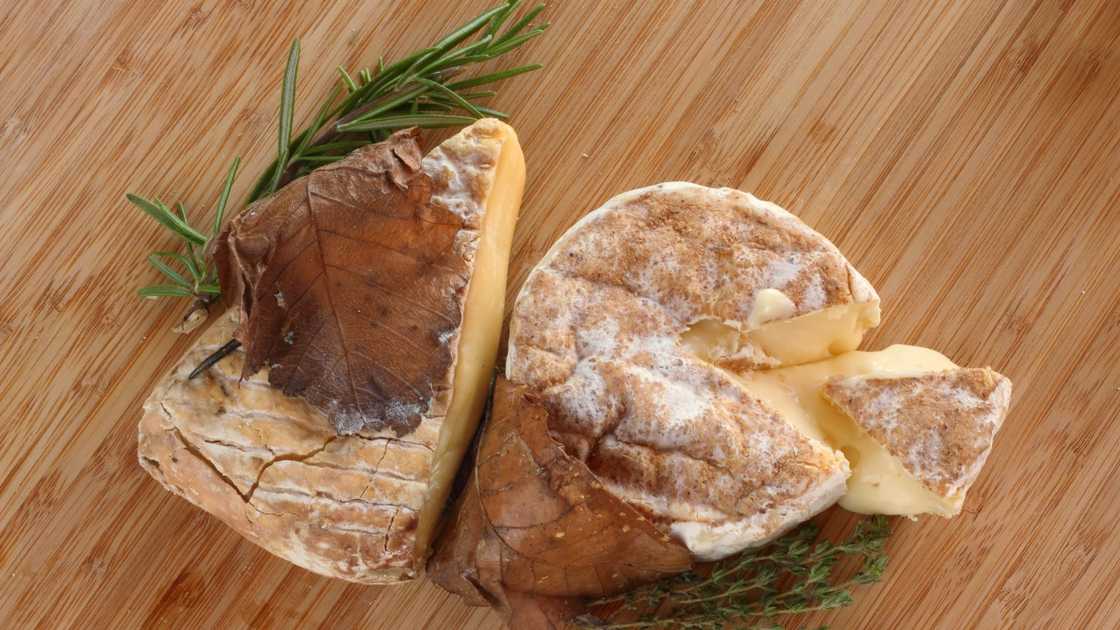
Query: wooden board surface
{"x": 965, "y": 155}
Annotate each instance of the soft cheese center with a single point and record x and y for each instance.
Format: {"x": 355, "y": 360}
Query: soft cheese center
{"x": 771, "y": 332}
{"x": 711, "y": 340}
{"x": 817, "y": 335}
{"x": 879, "y": 484}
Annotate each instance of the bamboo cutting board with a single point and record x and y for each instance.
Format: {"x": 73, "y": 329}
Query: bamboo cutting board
{"x": 965, "y": 155}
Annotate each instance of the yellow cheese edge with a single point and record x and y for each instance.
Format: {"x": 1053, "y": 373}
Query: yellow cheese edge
{"x": 480, "y": 335}
{"x": 770, "y": 336}
{"x": 812, "y": 349}
{"x": 818, "y": 335}
{"x": 815, "y": 348}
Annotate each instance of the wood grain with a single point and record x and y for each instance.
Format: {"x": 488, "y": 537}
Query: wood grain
{"x": 966, "y": 156}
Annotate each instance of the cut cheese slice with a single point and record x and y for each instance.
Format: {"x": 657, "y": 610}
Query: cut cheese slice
{"x": 938, "y": 427}
{"x": 906, "y": 419}
{"x": 359, "y": 507}
{"x": 625, "y": 325}
{"x": 773, "y": 336}
{"x": 486, "y": 294}
{"x": 815, "y": 336}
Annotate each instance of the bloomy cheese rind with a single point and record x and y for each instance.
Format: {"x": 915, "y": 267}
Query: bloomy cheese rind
{"x": 860, "y": 289}
{"x": 709, "y": 543}
{"x": 940, "y": 425}
{"x": 270, "y": 442}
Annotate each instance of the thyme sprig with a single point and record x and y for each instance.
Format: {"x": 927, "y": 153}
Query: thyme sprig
{"x": 415, "y": 91}
{"x": 751, "y": 590}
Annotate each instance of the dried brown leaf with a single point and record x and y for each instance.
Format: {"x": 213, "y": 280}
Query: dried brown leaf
{"x": 349, "y": 281}
{"x": 534, "y": 530}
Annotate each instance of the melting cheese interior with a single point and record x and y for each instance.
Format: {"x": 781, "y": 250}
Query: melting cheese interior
{"x": 817, "y": 335}
{"x": 480, "y": 333}
{"x": 771, "y": 332}
{"x": 817, "y": 347}
{"x": 879, "y": 484}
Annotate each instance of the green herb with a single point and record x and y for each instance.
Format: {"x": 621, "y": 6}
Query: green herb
{"x": 287, "y": 111}
{"x": 751, "y": 590}
{"x": 202, "y": 283}
{"x": 415, "y": 91}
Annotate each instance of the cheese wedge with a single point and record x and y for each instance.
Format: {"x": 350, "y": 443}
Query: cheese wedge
{"x": 630, "y": 327}
{"x": 938, "y": 427}
{"x": 914, "y": 427}
{"x": 358, "y": 507}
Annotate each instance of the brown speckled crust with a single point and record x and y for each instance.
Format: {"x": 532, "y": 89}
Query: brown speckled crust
{"x": 273, "y": 468}
{"x": 597, "y": 329}
{"x": 940, "y": 425}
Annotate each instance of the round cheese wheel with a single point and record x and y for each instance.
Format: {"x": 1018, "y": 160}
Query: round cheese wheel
{"x": 633, "y": 328}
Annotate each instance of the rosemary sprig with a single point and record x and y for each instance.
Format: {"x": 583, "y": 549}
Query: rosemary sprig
{"x": 415, "y": 91}
{"x": 203, "y": 282}
{"x": 751, "y": 590}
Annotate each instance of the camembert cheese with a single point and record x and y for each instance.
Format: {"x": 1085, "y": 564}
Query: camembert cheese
{"x": 938, "y": 427}
{"x": 632, "y": 328}
{"x": 685, "y": 339}
{"x": 360, "y": 507}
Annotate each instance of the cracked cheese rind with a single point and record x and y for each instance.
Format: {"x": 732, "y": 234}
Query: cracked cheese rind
{"x": 273, "y": 469}
{"x": 358, "y": 507}
{"x": 598, "y": 326}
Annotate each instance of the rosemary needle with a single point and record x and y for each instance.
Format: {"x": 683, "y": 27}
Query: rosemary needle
{"x": 227, "y": 348}
{"x": 287, "y": 112}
